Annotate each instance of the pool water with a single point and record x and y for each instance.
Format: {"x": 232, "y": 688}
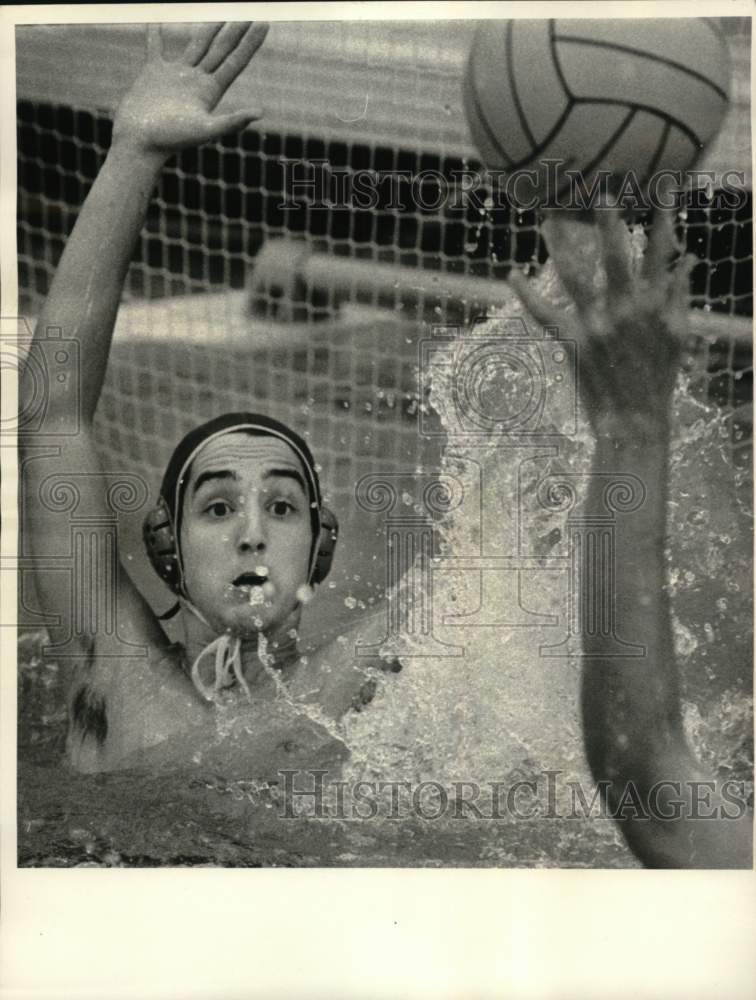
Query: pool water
{"x": 194, "y": 815}
{"x": 500, "y": 714}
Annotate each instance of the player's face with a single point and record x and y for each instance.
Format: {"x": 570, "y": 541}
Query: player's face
{"x": 245, "y": 532}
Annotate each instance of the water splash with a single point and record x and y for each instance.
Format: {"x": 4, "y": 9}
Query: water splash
{"x": 502, "y": 703}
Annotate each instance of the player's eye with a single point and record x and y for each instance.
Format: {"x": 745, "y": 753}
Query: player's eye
{"x": 281, "y": 507}
{"x": 218, "y": 509}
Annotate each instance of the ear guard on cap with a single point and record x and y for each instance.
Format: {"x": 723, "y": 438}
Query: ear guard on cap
{"x": 329, "y": 535}
{"x": 160, "y": 542}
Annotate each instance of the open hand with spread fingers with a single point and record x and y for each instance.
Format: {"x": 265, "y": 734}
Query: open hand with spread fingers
{"x": 630, "y": 330}
{"x": 172, "y": 102}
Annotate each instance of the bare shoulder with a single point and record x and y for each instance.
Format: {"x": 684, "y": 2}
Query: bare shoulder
{"x": 343, "y": 673}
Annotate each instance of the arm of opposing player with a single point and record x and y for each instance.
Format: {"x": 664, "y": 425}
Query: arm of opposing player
{"x": 629, "y": 343}
{"x": 632, "y": 722}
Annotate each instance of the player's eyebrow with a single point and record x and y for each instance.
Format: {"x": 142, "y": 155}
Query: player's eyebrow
{"x": 205, "y": 477}
{"x": 286, "y": 474}
{"x": 212, "y": 474}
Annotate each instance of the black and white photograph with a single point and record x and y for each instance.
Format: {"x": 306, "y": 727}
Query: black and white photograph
{"x": 383, "y": 442}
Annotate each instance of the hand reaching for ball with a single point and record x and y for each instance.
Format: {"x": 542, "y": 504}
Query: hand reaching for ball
{"x": 171, "y": 103}
{"x": 629, "y": 329}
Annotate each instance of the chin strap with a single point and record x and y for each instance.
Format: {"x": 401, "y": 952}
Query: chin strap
{"x": 228, "y": 665}
{"x": 227, "y": 651}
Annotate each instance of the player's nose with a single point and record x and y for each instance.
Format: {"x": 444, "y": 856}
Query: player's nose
{"x": 250, "y": 529}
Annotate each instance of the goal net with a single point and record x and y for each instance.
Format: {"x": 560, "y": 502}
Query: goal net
{"x": 229, "y": 303}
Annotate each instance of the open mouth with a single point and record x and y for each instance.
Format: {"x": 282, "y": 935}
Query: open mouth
{"x": 250, "y": 580}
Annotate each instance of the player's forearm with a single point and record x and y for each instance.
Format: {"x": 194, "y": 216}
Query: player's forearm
{"x": 637, "y": 694}
{"x": 85, "y": 294}
{"x": 632, "y": 721}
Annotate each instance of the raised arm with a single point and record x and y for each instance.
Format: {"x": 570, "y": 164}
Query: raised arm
{"x": 170, "y": 106}
{"x": 629, "y": 338}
